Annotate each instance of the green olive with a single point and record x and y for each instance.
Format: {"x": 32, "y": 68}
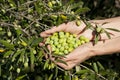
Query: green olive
{"x": 65, "y": 42}
{"x": 18, "y": 70}
{"x": 9, "y": 33}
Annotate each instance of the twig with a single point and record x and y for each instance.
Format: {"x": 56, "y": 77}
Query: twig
{"x": 29, "y": 2}
{"x": 93, "y": 72}
{"x": 8, "y": 24}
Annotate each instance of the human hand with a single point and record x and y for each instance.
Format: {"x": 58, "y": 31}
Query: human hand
{"x": 77, "y": 56}
{"x": 89, "y": 50}
{"x": 66, "y": 27}
{"x": 74, "y": 29}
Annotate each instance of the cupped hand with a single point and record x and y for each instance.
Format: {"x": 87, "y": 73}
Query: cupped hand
{"x": 66, "y": 27}
{"x": 77, "y": 56}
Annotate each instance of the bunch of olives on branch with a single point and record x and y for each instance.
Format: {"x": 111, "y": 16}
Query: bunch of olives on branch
{"x": 63, "y": 43}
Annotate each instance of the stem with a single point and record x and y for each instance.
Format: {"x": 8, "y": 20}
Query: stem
{"x": 93, "y": 72}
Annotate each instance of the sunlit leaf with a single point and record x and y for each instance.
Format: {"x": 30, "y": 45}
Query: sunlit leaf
{"x": 7, "y": 54}
{"x": 95, "y": 67}
{"x": 20, "y": 77}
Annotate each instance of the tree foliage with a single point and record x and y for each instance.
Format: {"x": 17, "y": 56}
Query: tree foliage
{"x": 21, "y": 21}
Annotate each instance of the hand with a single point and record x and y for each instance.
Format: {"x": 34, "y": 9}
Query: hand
{"x": 66, "y": 27}
{"x": 72, "y": 28}
{"x": 77, "y": 56}
{"x": 88, "y": 50}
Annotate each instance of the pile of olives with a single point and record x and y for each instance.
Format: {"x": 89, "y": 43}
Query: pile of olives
{"x": 63, "y": 43}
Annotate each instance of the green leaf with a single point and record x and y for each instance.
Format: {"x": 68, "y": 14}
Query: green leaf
{"x": 61, "y": 61}
{"x": 100, "y": 65}
{"x": 95, "y": 67}
{"x": 70, "y": 2}
{"x": 83, "y": 71}
{"x": 56, "y": 72}
{"x": 59, "y": 21}
{"x": 67, "y": 77}
{"x": 36, "y": 41}
{"x": 75, "y": 77}
{"x": 32, "y": 59}
{"x": 32, "y": 56}
{"x": 16, "y": 54}
{"x": 20, "y": 77}
{"x": 38, "y": 77}
{"x": 39, "y": 7}
{"x": 77, "y": 5}
{"x": 7, "y": 53}
{"x": 113, "y": 29}
{"x": 7, "y": 44}
{"x": 22, "y": 57}
{"x": 50, "y": 77}
{"x": 46, "y": 64}
{"x": 108, "y": 34}
{"x": 88, "y": 25}
{"x": 58, "y": 55}
{"x": 40, "y": 55}
{"x": 81, "y": 10}
{"x": 19, "y": 32}
{"x": 12, "y": 3}
{"x": 96, "y": 39}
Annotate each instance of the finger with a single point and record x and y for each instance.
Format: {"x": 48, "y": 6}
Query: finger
{"x": 53, "y": 30}
{"x": 43, "y": 34}
{"x": 69, "y": 64}
{"x": 62, "y": 65}
{"x": 47, "y": 33}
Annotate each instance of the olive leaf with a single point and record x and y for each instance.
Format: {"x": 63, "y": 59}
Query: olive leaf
{"x": 113, "y": 29}
{"x": 95, "y": 67}
{"x": 82, "y": 10}
{"x": 96, "y": 38}
{"x": 7, "y": 44}
{"x": 100, "y": 65}
{"x": 32, "y": 60}
{"x": 8, "y": 53}
{"x": 108, "y": 34}
{"x": 61, "y": 61}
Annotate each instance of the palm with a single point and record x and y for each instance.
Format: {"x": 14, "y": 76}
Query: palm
{"x": 76, "y": 57}
{"x": 69, "y": 27}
